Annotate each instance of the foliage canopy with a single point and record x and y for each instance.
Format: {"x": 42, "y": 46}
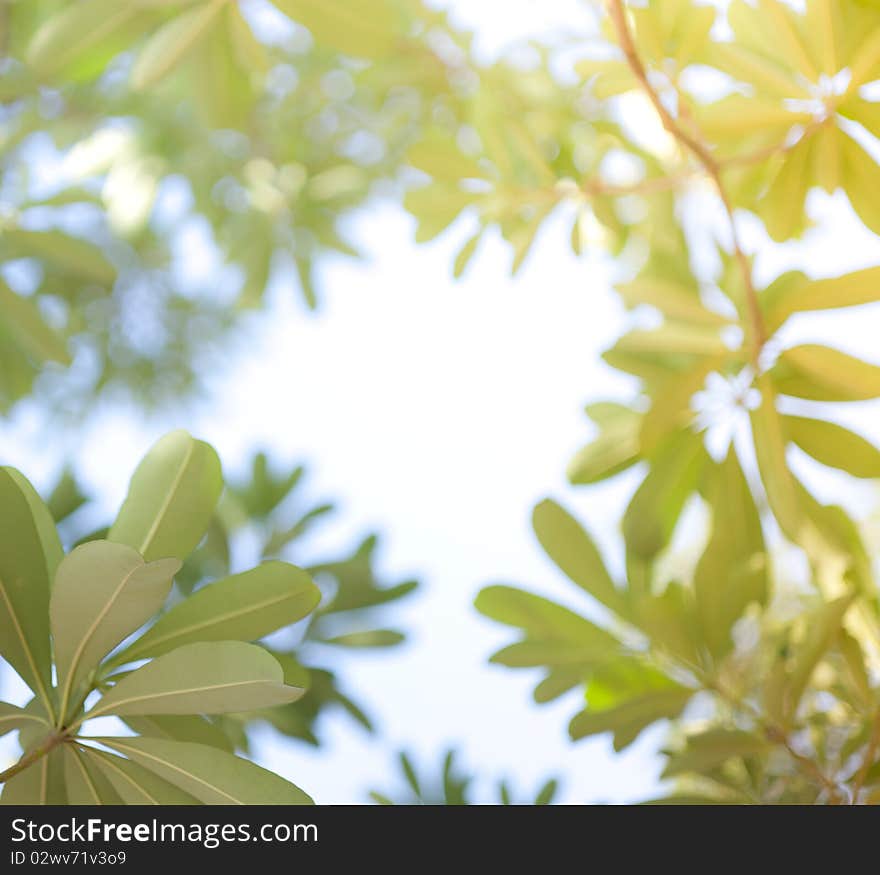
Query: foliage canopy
{"x": 677, "y": 125}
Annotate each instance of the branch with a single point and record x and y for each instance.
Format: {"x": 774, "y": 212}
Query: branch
{"x": 778, "y": 736}
{"x": 50, "y": 742}
{"x": 617, "y": 12}
{"x": 867, "y": 760}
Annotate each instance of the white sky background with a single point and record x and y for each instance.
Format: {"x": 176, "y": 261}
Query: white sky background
{"x": 439, "y": 413}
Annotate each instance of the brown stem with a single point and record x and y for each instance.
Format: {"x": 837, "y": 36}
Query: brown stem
{"x": 50, "y": 742}
{"x": 617, "y": 12}
{"x": 776, "y": 735}
{"x": 867, "y": 760}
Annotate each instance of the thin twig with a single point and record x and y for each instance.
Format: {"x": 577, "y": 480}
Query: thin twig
{"x": 777, "y": 735}
{"x": 867, "y": 760}
{"x": 617, "y": 12}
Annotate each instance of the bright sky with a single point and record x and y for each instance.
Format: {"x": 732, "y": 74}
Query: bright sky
{"x": 440, "y": 413}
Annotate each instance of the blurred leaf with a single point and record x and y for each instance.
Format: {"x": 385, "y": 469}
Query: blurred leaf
{"x": 363, "y": 28}
{"x": 614, "y": 450}
{"x": 769, "y": 438}
{"x": 732, "y": 572}
{"x": 819, "y": 373}
{"x": 833, "y": 445}
{"x": 706, "y": 750}
{"x": 23, "y": 320}
{"x": 627, "y": 719}
{"x": 570, "y": 547}
{"x": 371, "y": 638}
{"x": 653, "y": 512}
{"x": 171, "y": 43}
{"x": 823, "y": 627}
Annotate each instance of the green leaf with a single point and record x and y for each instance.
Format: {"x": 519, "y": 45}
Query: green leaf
{"x": 40, "y": 784}
{"x": 653, "y": 512}
{"x": 86, "y": 784}
{"x": 547, "y": 793}
{"x": 201, "y": 678}
{"x": 27, "y": 327}
{"x": 438, "y": 155}
{"x": 674, "y": 337}
{"x": 169, "y": 46}
{"x": 798, "y": 294}
{"x": 782, "y": 206}
{"x": 244, "y": 606}
{"x": 69, "y": 254}
{"x": 769, "y": 438}
{"x": 139, "y": 786}
{"x": 823, "y": 626}
{"x": 733, "y": 571}
{"x": 410, "y": 774}
{"x": 628, "y": 719}
{"x": 76, "y": 31}
{"x": 370, "y": 638}
{"x": 557, "y": 683}
{"x": 211, "y": 775}
{"x": 436, "y": 207}
{"x": 614, "y": 450}
{"x": 674, "y": 300}
{"x": 571, "y": 548}
{"x": 671, "y": 405}
{"x": 541, "y": 618}
{"x": 834, "y": 445}
{"x": 66, "y": 497}
{"x": 29, "y": 553}
{"x": 171, "y": 498}
{"x": 12, "y": 718}
{"x": 183, "y": 727}
{"x": 551, "y": 654}
{"x": 861, "y": 178}
{"x": 103, "y": 592}
{"x": 669, "y": 619}
{"x": 706, "y": 750}
{"x": 363, "y": 28}
{"x": 819, "y": 373}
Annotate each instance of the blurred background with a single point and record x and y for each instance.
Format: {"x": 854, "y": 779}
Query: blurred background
{"x": 434, "y": 411}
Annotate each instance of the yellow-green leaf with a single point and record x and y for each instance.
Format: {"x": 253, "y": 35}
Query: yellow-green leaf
{"x": 819, "y": 373}
{"x": 834, "y": 445}
{"x": 363, "y": 28}
{"x": 770, "y": 443}
{"x": 172, "y": 42}
{"x": 571, "y": 548}
{"x": 733, "y": 571}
